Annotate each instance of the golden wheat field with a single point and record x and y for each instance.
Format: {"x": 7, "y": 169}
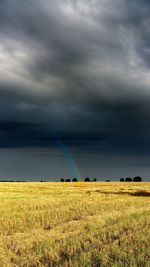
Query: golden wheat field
{"x": 75, "y": 224}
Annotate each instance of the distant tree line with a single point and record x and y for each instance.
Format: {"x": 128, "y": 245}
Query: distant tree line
{"x": 87, "y": 179}
{"x": 129, "y": 179}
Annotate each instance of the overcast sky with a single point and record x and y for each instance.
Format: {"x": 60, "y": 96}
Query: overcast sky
{"x": 74, "y": 89}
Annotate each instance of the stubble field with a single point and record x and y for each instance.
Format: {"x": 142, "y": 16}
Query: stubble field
{"x": 75, "y": 224}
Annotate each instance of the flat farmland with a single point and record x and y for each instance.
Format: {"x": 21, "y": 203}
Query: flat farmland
{"x": 75, "y": 224}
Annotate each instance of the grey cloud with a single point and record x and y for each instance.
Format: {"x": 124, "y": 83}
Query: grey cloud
{"x": 75, "y": 65}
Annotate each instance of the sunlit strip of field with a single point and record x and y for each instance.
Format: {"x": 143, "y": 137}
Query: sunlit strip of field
{"x": 75, "y": 224}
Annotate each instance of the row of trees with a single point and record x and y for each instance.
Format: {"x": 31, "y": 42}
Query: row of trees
{"x": 87, "y": 179}
{"x": 68, "y": 180}
{"x": 129, "y": 179}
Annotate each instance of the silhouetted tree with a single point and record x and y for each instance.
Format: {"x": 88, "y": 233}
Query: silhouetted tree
{"x": 62, "y": 180}
{"x": 74, "y": 180}
{"x": 137, "y": 179}
{"x": 41, "y": 181}
{"x": 94, "y": 180}
{"x": 87, "y": 179}
{"x": 107, "y": 180}
{"x": 128, "y": 179}
{"x": 121, "y": 179}
{"x": 67, "y": 180}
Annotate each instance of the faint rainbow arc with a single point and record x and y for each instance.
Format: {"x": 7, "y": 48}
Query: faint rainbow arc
{"x": 71, "y": 162}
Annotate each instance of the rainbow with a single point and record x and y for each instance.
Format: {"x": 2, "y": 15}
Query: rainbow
{"x": 71, "y": 162}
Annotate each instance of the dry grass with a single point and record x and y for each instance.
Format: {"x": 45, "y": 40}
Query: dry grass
{"x": 74, "y": 224}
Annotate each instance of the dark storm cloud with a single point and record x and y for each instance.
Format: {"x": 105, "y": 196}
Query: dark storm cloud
{"x": 81, "y": 68}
